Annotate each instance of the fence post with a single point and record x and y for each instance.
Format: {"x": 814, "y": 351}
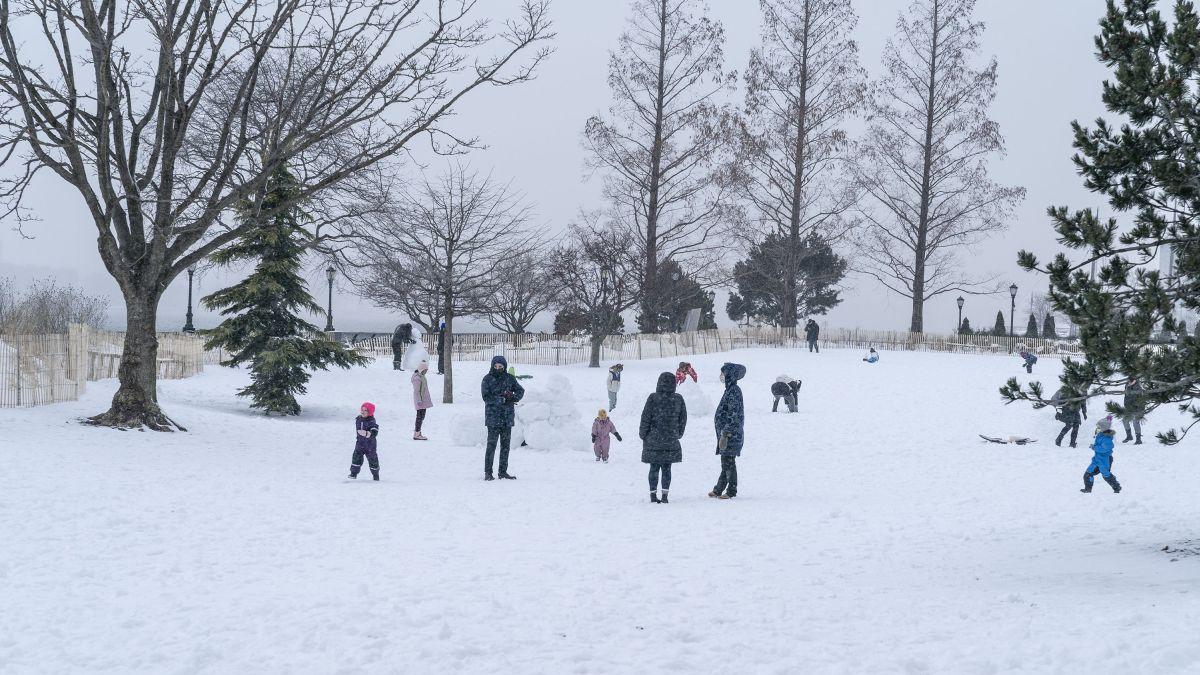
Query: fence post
{"x": 17, "y": 343}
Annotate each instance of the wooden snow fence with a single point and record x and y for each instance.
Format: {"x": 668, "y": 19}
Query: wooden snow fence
{"x": 44, "y": 369}
{"x": 559, "y": 350}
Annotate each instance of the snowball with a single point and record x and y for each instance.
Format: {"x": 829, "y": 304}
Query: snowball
{"x": 698, "y": 402}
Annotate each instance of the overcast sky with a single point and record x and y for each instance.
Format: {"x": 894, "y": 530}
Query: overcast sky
{"x": 1048, "y": 76}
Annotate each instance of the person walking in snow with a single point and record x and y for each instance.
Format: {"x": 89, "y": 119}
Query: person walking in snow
{"x": 730, "y": 422}
{"x": 785, "y": 388}
{"x": 685, "y": 370}
{"x": 664, "y": 419}
{"x": 811, "y": 332}
{"x": 366, "y": 430}
{"x": 1102, "y": 451}
{"x": 1070, "y": 406}
{"x": 500, "y": 392}
{"x": 872, "y": 356}
{"x": 614, "y": 384}
{"x": 602, "y": 426}
{"x": 422, "y": 398}
{"x": 1135, "y": 410}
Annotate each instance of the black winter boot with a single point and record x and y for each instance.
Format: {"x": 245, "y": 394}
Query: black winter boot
{"x": 664, "y": 497}
{"x": 1128, "y": 437}
{"x": 506, "y": 476}
{"x": 1087, "y": 482}
{"x": 1138, "y": 441}
{"x": 654, "y": 497}
{"x": 1058, "y": 441}
{"x": 489, "y": 476}
{"x": 1112, "y": 481}
{"x": 374, "y": 475}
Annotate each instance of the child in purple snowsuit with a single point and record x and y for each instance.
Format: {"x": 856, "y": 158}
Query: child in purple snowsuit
{"x": 602, "y": 426}
{"x": 365, "y": 430}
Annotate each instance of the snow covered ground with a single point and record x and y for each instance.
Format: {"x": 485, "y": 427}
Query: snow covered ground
{"x": 873, "y": 532}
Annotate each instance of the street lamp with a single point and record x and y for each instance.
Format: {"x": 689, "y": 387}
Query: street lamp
{"x": 1012, "y": 292}
{"x": 961, "y": 302}
{"x": 329, "y": 274}
{"x": 187, "y": 325}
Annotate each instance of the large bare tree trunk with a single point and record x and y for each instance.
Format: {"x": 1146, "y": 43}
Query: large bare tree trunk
{"x": 136, "y": 402}
{"x": 447, "y": 361}
{"x": 594, "y": 359}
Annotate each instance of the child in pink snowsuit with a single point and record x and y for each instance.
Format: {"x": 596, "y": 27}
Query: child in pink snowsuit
{"x": 601, "y": 428}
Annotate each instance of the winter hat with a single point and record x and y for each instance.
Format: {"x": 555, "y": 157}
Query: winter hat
{"x": 370, "y": 408}
{"x": 423, "y": 365}
{"x": 603, "y": 414}
{"x": 1104, "y": 424}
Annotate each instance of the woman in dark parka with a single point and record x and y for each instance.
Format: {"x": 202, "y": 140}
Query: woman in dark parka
{"x": 730, "y": 423}
{"x": 664, "y": 419}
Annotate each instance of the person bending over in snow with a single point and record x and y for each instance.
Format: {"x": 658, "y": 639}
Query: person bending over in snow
{"x": 1030, "y": 358}
{"x": 872, "y": 356}
{"x": 366, "y": 430}
{"x": 787, "y": 389}
{"x": 730, "y": 422}
{"x": 500, "y": 393}
{"x": 602, "y": 426}
{"x": 664, "y": 419}
{"x": 1102, "y": 450}
{"x": 1069, "y": 411}
{"x": 614, "y": 384}
{"x": 685, "y": 369}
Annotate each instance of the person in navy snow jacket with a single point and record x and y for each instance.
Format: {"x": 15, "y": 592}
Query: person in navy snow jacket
{"x": 366, "y": 430}
{"x": 730, "y": 422}
{"x": 1102, "y": 451}
{"x": 500, "y": 391}
{"x": 1030, "y": 358}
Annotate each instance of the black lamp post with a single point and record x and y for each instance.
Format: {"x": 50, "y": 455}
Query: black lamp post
{"x": 961, "y": 302}
{"x": 187, "y": 325}
{"x": 1012, "y": 292}
{"x": 329, "y": 274}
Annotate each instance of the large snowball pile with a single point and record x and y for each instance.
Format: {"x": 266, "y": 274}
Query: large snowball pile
{"x": 468, "y": 430}
{"x": 547, "y": 418}
{"x": 698, "y": 402}
{"x": 416, "y": 353}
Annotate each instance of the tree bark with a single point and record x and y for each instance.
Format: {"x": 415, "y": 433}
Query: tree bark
{"x": 447, "y": 361}
{"x": 650, "y": 288}
{"x": 594, "y": 359}
{"x": 136, "y": 402}
{"x": 918, "y": 289}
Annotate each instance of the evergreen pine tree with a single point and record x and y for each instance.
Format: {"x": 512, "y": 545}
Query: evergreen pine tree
{"x": 1000, "y": 329}
{"x": 817, "y": 272}
{"x": 1145, "y": 163}
{"x": 263, "y": 326}
{"x": 966, "y": 327}
{"x": 1031, "y": 330}
{"x": 1048, "y": 330}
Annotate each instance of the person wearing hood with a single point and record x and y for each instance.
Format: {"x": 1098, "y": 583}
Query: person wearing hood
{"x": 602, "y": 427}
{"x": 1029, "y": 358}
{"x": 664, "y": 419}
{"x": 811, "y": 332}
{"x": 1135, "y": 410}
{"x": 730, "y": 423}
{"x": 422, "y": 398}
{"x": 787, "y": 389}
{"x": 1102, "y": 449}
{"x": 614, "y": 384}
{"x": 500, "y": 392}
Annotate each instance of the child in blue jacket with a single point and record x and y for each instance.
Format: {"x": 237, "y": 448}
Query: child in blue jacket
{"x": 1102, "y": 449}
{"x": 1030, "y": 358}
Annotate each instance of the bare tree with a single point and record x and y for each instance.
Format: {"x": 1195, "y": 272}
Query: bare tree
{"x": 803, "y": 82}
{"x": 45, "y": 307}
{"x": 598, "y": 277}
{"x": 525, "y": 290}
{"x": 924, "y": 161}
{"x": 659, "y": 146}
{"x": 162, "y": 140}
{"x": 450, "y": 239}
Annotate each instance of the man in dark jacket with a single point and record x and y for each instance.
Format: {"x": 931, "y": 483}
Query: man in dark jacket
{"x": 441, "y": 346}
{"x": 500, "y": 393}
{"x": 1070, "y": 405}
{"x": 788, "y": 390}
{"x": 730, "y": 423}
{"x": 664, "y": 419}
{"x": 811, "y": 332}
{"x": 400, "y": 337}
{"x": 1135, "y": 410}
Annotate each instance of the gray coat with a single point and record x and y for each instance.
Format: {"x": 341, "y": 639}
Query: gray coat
{"x": 664, "y": 419}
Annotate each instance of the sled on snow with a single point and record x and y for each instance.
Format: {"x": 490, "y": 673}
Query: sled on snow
{"x": 1011, "y": 440}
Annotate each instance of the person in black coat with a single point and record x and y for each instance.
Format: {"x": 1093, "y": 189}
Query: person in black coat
{"x": 664, "y": 419}
{"x": 441, "y": 346}
{"x": 1070, "y": 406}
{"x": 730, "y": 423}
{"x": 811, "y": 332}
{"x": 400, "y": 337}
{"x": 501, "y": 392}
{"x": 788, "y": 390}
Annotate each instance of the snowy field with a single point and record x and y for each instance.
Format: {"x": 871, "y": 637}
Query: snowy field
{"x": 873, "y": 533}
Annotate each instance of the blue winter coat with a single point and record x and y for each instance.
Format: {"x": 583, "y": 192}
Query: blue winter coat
{"x": 367, "y": 443}
{"x": 1103, "y": 445}
{"x": 730, "y": 417}
{"x": 500, "y": 392}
